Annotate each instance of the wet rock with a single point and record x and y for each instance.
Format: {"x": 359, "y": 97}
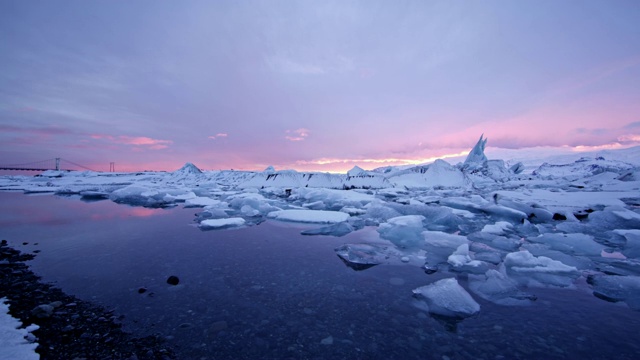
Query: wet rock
{"x": 142, "y": 290}
{"x": 42, "y": 311}
{"x": 173, "y": 280}
{"x": 67, "y": 329}
{"x": 559, "y": 217}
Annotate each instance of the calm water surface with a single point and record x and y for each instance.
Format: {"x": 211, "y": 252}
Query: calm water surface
{"x": 268, "y": 292}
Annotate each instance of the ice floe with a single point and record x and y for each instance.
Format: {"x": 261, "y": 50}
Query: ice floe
{"x": 447, "y": 298}
{"x": 309, "y": 216}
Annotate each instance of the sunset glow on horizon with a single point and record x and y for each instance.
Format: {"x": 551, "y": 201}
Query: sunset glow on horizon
{"x": 312, "y": 86}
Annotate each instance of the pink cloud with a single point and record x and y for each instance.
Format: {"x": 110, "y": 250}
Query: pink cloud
{"x": 297, "y": 135}
{"x": 138, "y": 141}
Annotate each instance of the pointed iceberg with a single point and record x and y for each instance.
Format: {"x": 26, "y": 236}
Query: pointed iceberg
{"x": 476, "y": 156}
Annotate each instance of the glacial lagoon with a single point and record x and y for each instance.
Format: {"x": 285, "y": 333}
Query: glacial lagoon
{"x": 266, "y": 291}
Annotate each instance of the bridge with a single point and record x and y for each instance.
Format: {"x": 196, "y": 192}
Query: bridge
{"x": 44, "y": 165}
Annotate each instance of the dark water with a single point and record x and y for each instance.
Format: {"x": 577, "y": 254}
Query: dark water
{"x": 268, "y": 292}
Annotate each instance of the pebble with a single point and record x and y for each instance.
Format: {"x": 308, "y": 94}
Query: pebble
{"x": 173, "y": 280}
{"x": 327, "y": 341}
{"x": 68, "y": 328}
{"x": 219, "y": 326}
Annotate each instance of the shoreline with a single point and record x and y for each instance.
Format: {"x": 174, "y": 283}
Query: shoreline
{"x": 70, "y": 328}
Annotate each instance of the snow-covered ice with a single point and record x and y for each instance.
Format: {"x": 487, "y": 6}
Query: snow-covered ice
{"x": 309, "y": 216}
{"x": 221, "y": 223}
{"x": 12, "y": 337}
{"x": 541, "y": 270}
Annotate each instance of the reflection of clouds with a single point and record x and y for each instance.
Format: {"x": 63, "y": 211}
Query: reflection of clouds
{"x": 125, "y": 212}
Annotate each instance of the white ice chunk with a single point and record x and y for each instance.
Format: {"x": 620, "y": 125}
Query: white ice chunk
{"x": 403, "y": 231}
{"x": 221, "y": 223}
{"x": 579, "y": 244}
{"x": 498, "y": 288}
{"x": 499, "y": 228}
{"x": 439, "y": 239}
{"x": 309, "y": 216}
{"x": 461, "y": 261}
{"x": 532, "y": 270}
{"x": 138, "y": 195}
{"x": 361, "y": 256}
{"x": 447, "y": 298}
{"x": 201, "y": 201}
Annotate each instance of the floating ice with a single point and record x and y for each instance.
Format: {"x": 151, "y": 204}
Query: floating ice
{"x": 361, "y": 256}
{"x": 221, "y": 223}
{"x": 201, "y": 202}
{"x": 579, "y": 244}
{"x": 531, "y": 270}
{"x": 309, "y": 216}
{"x": 461, "y": 261}
{"x": 499, "y": 228}
{"x": 138, "y": 195}
{"x": 447, "y": 298}
{"x": 498, "y": 288}
{"x": 617, "y": 288}
{"x": 632, "y": 245}
{"x": 403, "y": 231}
{"x": 339, "y": 229}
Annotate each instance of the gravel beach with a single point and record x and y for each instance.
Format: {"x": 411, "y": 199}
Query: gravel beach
{"x": 70, "y": 328}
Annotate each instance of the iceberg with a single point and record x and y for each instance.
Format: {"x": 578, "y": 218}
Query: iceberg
{"x": 578, "y": 244}
{"x": 617, "y": 288}
{"x": 447, "y": 298}
{"x": 461, "y": 261}
{"x": 403, "y": 231}
{"x": 361, "y": 256}
{"x": 476, "y": 157}
{"x": 531, "y": 270}
{"x": 499, "y": 288}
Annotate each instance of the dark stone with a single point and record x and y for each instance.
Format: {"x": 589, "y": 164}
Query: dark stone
{"x": 142, "y": 290}
{"x": 173, "y": 280}
{"x": 581, "y": 215}
{"x": 557, "y": 216}
{"x": 42, "y": 311}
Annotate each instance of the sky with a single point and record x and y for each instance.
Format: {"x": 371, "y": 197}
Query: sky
{"x": 312, "y": 85}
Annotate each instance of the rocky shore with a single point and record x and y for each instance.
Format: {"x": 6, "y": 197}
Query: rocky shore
{"x": 69, "y": 327}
